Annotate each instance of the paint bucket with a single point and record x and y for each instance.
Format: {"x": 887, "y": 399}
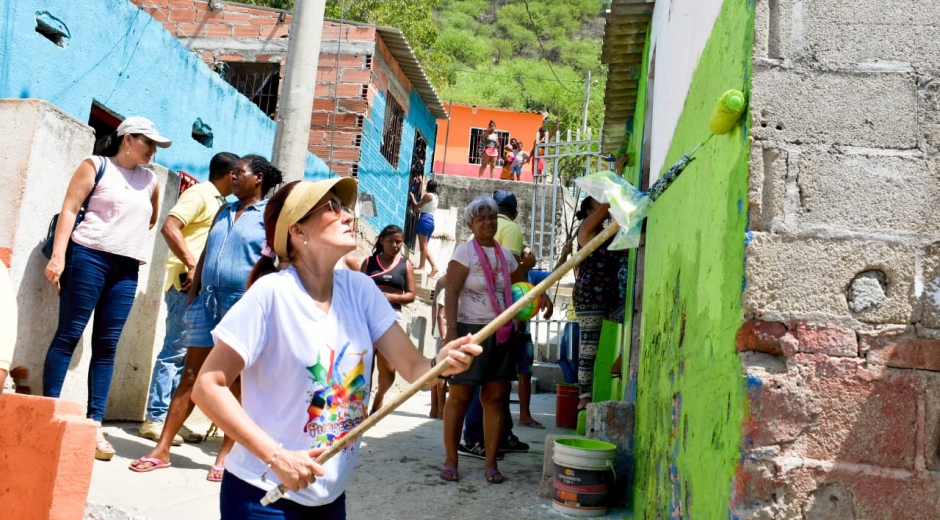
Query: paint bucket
{"x": 583, "y": 474}
{"x": 566, "y": 406}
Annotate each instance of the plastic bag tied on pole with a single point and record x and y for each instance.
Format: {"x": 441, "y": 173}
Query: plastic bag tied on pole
{"x": 628, "y": 205}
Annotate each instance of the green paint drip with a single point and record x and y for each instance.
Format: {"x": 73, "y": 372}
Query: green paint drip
{"x": 691, "y": 399}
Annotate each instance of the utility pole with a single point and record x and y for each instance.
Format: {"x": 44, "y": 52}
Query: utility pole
{"x": 300, "y": 79}
{"x": 450, "y": 114}
{"x": 587, "y": 100}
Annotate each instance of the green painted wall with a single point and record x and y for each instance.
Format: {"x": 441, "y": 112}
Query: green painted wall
{"x": 691, "y": 392}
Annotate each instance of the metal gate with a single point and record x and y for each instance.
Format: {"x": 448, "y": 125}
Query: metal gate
{"x": 556, "y": 164}
{"x": 558, "y": 161}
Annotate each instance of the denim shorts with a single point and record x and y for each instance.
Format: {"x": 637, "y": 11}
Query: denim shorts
{"x": 425, "y": 225}
{"x": 205, "y": 313}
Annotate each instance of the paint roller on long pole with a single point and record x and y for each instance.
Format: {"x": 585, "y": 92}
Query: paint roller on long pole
{"x": 628, "y": 208}
{"x": 431, "y": 375}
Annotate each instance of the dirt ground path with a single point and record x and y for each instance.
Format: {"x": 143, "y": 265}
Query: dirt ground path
{"x": 396, "y": 477}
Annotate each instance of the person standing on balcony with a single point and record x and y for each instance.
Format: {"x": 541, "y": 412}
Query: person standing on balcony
{"x": 538, "y": 151}
{"x": 490, "y": 149}
{"x": 185, "y": 230}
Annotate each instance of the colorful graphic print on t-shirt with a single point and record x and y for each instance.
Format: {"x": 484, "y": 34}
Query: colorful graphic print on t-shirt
{"x": 337, "y": 400}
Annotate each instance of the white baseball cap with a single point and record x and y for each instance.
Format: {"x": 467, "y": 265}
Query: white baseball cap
{"x": 144, "y": 126}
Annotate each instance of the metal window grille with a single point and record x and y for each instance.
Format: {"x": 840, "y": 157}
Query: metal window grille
{"x": 476, "y": 145}
{"x": 258, "y": 82}
{"x": 391, "y": 136}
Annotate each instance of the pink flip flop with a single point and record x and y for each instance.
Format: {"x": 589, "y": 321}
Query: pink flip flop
{"x": 215, "y": 473}
{"x": 156, "y": 464}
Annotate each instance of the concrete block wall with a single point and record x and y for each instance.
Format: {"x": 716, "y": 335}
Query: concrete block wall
{"x": 840, "y": 342}
{"x": 458, "y": 191}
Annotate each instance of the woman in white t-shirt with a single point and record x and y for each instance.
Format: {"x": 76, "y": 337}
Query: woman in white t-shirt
{"x": 479, "y": 277}
{"x": 302, "y": 340}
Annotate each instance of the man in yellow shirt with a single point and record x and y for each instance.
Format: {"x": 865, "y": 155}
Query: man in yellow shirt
{"x": 185, "y": 231}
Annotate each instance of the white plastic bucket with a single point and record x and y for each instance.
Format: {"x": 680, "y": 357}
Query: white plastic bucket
{"x": 584, "y": 472}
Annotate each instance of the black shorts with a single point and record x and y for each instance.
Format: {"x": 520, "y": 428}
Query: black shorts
{"x": 497, "y": 363}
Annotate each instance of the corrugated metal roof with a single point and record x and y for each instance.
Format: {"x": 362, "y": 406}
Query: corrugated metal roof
{"x": 400, "y": 48}
{"x": 622, "y": 51}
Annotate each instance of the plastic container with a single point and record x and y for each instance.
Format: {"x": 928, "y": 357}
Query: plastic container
{"x": 582, "y": 476}
{"x": 566, "y": 406}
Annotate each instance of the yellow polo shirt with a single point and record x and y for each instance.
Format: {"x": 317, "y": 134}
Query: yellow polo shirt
{"x": 195, "y": 208}
{"x": 509, "y": 235}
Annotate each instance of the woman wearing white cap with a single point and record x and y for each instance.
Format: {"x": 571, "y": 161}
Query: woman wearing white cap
{"x": 302, "y": 339}
{"x": 97, "y": 255}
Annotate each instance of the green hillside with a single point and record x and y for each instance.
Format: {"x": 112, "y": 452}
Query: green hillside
{"x": 522, "y": 54}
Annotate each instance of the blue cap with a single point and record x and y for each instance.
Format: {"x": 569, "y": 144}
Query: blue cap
{"x": 505, "y": 200}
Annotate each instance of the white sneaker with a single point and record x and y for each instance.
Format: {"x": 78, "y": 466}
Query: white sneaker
{"x": 152, "y": 430}
{"x": 189, "y": 435}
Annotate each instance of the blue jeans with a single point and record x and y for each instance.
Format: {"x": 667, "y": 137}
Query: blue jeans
{"x": 169, "y": 365}
{"x": 569, "y": 367}
{"x": 239, "y": 500}
{"x": 91, "y": 281}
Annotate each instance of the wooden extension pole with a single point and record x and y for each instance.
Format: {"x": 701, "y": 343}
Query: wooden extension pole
{"x": 437, "y": 371}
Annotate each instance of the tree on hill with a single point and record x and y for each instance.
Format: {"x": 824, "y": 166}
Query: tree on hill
{"x": 524, "y": 54}
{"x": 412, "y": 17}
{"x": 518, "y": 54}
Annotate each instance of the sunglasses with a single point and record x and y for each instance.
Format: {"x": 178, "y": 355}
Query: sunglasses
{"x": 335, "y": 206}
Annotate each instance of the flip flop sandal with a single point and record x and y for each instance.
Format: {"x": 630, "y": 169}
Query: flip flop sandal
{"x": 533, "y": 424}
{"x": 104, "y": 450}
{"x": 449, "y": 474}
{"x": 215, "y": 473}
{"x": 493, "y": 476}
{"x": 155, "y": 464}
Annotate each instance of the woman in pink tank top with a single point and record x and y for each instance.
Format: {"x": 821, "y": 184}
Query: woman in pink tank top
{"x": 96, "y": 258}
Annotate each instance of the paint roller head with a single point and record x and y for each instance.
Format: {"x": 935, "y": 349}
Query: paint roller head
{"x": 727, "y": 112}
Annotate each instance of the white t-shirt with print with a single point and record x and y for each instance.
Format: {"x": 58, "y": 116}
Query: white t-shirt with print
{"x": 474, "y": 306}
{"x": 307, "y": 373}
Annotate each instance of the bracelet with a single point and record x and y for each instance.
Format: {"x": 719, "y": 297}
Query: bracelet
{"x": 434, "y": 364}
{"x": 268, "y": 467}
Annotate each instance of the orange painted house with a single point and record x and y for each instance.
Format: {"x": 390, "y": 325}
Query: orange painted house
{"x": 467, "y": 123}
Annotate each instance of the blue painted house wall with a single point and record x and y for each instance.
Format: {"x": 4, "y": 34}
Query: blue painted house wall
{"x": 386, "y": 182}
{"x": 119, "y": 56}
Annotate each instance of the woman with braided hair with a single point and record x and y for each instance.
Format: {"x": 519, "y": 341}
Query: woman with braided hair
{"x": 219, "y": 281}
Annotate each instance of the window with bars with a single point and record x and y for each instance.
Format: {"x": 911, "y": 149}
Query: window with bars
{"x": 258, "y": 82}
{"x": 391, "y": 135}
{"x": 476, "y": 144}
